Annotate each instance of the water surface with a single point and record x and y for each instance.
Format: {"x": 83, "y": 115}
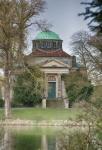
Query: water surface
{"x": 56, "y": 138}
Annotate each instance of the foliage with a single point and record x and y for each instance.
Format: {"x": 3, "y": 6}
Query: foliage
{"x": 87, "y": 55}
{"x": 14, "y": 24}
{"x": 97, "y": 93}
{"x": 79, "y": 140}
{"x": 85, "y": 92}
{"x": 1, "y": 98}
{"x": 93, "y": 114}
{"x": 1, "y": 102}
{"x": 94, "y": 13}
{"x": 77, "y": 87}
{"x": 28, "y": 87}
{"x": 96, "y": 41}
{"x": 93, "y": 110}
{"x": 96, "y": 102}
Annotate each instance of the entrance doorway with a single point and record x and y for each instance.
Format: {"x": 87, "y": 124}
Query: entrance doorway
{"x": 51, "y": 90}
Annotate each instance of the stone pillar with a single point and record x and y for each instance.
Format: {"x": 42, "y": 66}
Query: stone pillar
{"x": 59, "y": 86}
{"x": 45, "y": 86}
{"x": 44, "y": 103}
{"x": 64, "y": 95}
{"x": 66, "y": 102}
{"x": 44, "y": 92}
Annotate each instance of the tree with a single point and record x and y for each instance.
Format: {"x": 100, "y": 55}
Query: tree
{"x": 79, "y": 140}
{"x": 87, "y": 55}
{"x": 1, "y": 93}
{"x": 78, "y": 87}
{"x": 44, "y": 25}
{"x": 14, "y": 25}
{"x": 96, "y": 102}
{"x": 79, "y": 44}
{"x": 28, "y": 92}
{"x": 94, "y": 13}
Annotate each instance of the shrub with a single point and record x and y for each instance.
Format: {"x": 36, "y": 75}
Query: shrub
{"x": 28, "y": 88}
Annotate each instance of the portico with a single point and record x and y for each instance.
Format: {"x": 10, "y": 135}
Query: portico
{"x": 53, "y": 70}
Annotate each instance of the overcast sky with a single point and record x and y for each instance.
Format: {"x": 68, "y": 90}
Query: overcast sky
{"x": 63, "y": 15}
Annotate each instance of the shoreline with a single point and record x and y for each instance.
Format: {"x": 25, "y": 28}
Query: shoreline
{"x": 66, "y": 123}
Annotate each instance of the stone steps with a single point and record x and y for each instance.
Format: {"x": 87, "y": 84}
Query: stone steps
{"x": 55, "y": 103}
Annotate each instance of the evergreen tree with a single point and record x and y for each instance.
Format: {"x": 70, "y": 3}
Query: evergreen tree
{"x": 94, "y": 13}
{"x": 28, "y": 87}
{"x": 78, "y": 88}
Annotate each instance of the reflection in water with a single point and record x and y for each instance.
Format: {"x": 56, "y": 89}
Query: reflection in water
{"x": 44, "y": 143}
{"x": 45, "y": 139}
{"x": 27, "y": 139}
{"x": 5, "y": 142}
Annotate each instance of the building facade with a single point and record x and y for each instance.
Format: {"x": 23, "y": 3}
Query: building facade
{"x": 47, "y": 52}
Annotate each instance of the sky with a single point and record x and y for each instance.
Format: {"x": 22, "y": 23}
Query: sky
{"x": 63, "y": 15}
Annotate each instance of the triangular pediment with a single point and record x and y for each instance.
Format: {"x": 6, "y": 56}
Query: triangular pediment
{"x": 54, "y": 63}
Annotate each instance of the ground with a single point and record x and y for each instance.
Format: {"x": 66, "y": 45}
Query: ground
{"x": 43, "y": 114}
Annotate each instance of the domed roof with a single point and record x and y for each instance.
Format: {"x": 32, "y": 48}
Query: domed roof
{"x": 47, "y": 35}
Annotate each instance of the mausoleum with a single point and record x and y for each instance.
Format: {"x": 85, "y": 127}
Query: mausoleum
{"x": 47, "y": 52}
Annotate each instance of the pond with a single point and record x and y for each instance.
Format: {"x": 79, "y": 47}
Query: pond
{"x": 30, "y": 138}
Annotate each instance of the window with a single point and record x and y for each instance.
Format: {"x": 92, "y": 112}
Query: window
{"x": 54, "y": 44}
{"x": 49, "y": 44}
{"x": 34, "y": 45}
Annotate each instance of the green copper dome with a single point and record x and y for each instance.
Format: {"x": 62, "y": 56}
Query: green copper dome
{"x": 47, "y": 35}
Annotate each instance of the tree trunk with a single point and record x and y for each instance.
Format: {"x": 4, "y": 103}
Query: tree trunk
{"x": 7, "y": 97}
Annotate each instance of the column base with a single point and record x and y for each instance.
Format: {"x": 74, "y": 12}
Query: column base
{"x": 44, "y": 103}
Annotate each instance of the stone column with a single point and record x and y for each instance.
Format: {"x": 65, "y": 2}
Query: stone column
{"x": 44, "y": 92}
{"x": 59, "y": 86}
{"x": 64, "y": 95}
{"x": 44, "y": 103}
{"x": 45, "y": 86}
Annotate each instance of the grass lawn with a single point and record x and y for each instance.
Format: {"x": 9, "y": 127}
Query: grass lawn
{"x": 43, "y": 114}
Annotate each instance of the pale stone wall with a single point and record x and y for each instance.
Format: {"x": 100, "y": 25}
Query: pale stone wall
{"x": 54, "y": 63}
{"x": 55, "y": 70}
{"x": 38, "y": 60}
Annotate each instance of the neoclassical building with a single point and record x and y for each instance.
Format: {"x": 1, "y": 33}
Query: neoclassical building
{"x": 47, "y": 52}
